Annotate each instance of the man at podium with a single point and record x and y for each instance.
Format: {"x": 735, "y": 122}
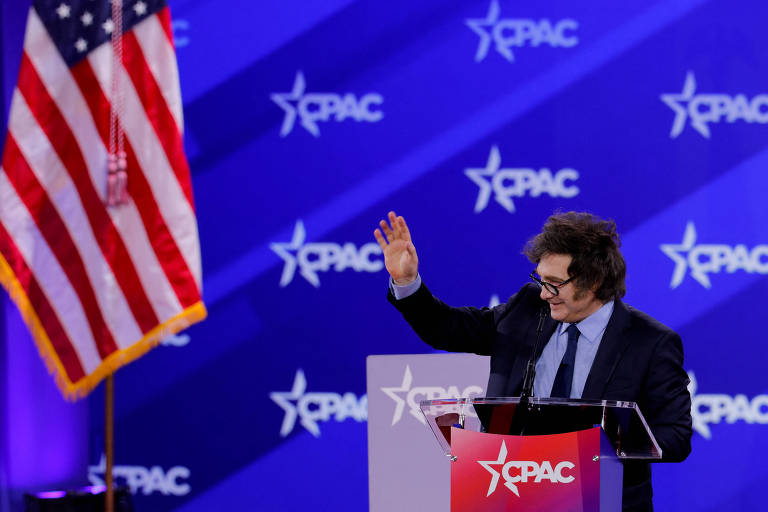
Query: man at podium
{"x": 594, "y": 346}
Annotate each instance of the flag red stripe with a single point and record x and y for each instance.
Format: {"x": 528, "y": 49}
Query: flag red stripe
{"x": 45, "y": 313}
{"x": 164, "y": 16}
{"x": 57, "y": 236}
{"x": 158, "y": 113}
{"x": 112, "y": 246}
{"x": 172, "y": 261}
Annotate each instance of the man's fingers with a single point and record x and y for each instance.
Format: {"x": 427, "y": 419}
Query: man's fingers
{"x": 380, "y": 239}
{"x": 395, "y": 226}
{"x": 395, "y": 229}
{"x": 385, "y": 229}
{"x": 404, "y": 231}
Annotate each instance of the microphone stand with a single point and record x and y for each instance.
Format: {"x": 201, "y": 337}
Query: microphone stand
{"x": 525, "y": 406}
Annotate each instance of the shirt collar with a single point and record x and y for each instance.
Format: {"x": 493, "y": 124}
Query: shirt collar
{"x": 592, "y": 327}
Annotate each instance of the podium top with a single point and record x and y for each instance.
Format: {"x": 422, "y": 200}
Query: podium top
{"x": 622, "y": 422}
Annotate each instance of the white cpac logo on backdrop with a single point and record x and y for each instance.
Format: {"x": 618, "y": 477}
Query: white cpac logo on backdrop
{"x": 315, "y": 107}
{"x": 315, "y": 407}
{"x": 703, "y": 109}
{"x": 414, "y": 395}
{"x": 517, "y": 182}
{"x": 176, "y": 340}
{"x": 705, "y": 259}
{"x": 525, "y": 469}
{"x": 507, "y": 33}
{"x": 148, "y": 480}
{"x": 709, "y": 409}
{"x": 321, "y": 256}
{"x": 179, "y": 27}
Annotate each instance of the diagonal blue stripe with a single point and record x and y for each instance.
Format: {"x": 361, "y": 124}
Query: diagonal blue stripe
{"x": 740, "y": 193}
{"x": 286, "y": 22}
{"x": 261, "y": 484}
{"x": 427, "y": 157}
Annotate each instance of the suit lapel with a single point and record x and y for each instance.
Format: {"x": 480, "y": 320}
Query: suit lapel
{"x": 612, "y": 346}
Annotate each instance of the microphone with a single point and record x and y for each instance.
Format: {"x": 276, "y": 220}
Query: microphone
{"x": 524, "y": 409}
{"x": 530, "y": 370}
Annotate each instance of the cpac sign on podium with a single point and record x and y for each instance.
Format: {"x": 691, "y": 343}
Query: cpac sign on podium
{"x": 565, "y": 454}
{"x": 504, "y": 472}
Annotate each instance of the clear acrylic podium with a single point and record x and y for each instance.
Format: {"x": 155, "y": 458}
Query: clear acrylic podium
{"x": 548, "y": 454}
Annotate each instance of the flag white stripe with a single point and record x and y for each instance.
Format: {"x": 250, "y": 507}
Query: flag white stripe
{"x": 53, "y": 177}
{"x": 49, "y": 274}
{"x": 58, "y": 81}
{"x": 65, "y": 92}
{"x": 156, "y": 285}
{"x": 161, "y": 59}
{"x": 171, "y": 201}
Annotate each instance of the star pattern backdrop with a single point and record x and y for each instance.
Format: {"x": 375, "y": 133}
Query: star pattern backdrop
{"x": 305, "y": 122}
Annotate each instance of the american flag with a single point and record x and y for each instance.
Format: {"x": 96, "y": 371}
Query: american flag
{"x": 97, "y": 285}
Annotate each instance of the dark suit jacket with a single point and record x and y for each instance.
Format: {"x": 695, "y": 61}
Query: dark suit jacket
{"x": 639, "y": 360}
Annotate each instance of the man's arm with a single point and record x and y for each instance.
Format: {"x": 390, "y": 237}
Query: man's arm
{"x": 667, "y": 400}
{"x": 447, "y": 328}
{"x": 439, "y": 325}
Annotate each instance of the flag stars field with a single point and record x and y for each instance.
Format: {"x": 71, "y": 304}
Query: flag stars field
{"x": 81, "y": 45}
{"x": 63, "y": 10}
{"x": 86, "y": 18}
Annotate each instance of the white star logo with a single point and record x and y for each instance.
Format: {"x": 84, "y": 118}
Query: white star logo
{"x": 681, "y": 262}
{"x": 63, "y": 10}
{"x": 679, "y": 104}
{"x": 478, "y": 175}
{"x": 495, "y": 474}
{"x": 699, "y": 421}
{"x": 81, "y": 45}
{"x": 108, "y": 26}
{"x": 286, "y": 250}
{"x": 286, "y": 100}
{"x": 284, "y": 399}
{"x": 140, "y": 8}
{"x": 483, "y": 27}
{"x": 87, "y": 19}
{"x": 101, "y": 467}
{"x": 392, "y": 391}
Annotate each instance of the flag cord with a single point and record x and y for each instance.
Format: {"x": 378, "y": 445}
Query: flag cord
{"x": 117, "y": 177}
{"x": 116, "y": 194}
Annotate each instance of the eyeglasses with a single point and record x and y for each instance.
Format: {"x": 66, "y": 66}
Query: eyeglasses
{"x": 554, "y": 289}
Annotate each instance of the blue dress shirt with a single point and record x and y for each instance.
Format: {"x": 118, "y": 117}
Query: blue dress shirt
{"x": 591, "y": 329}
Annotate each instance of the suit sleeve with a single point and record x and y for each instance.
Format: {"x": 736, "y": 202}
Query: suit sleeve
{"x": 667, "y": 400}
{"x": 443, "y": 327}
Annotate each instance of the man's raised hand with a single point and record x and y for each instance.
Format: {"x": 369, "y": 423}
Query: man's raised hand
{"x": 399, "y": 253}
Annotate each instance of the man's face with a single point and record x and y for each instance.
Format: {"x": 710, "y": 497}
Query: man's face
{"x": 569, "y": 305}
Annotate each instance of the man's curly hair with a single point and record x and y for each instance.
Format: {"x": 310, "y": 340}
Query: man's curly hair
{"x": 593, "y": 245}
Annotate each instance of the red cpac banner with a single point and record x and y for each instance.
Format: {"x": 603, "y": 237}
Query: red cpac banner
{"x": 494, "y": 472}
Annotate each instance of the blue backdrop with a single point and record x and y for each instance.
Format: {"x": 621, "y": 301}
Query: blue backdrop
{"x": 306, "y": 121}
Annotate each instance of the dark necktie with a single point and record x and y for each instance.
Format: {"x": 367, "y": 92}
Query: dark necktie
{"x": 564, "y": 378}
